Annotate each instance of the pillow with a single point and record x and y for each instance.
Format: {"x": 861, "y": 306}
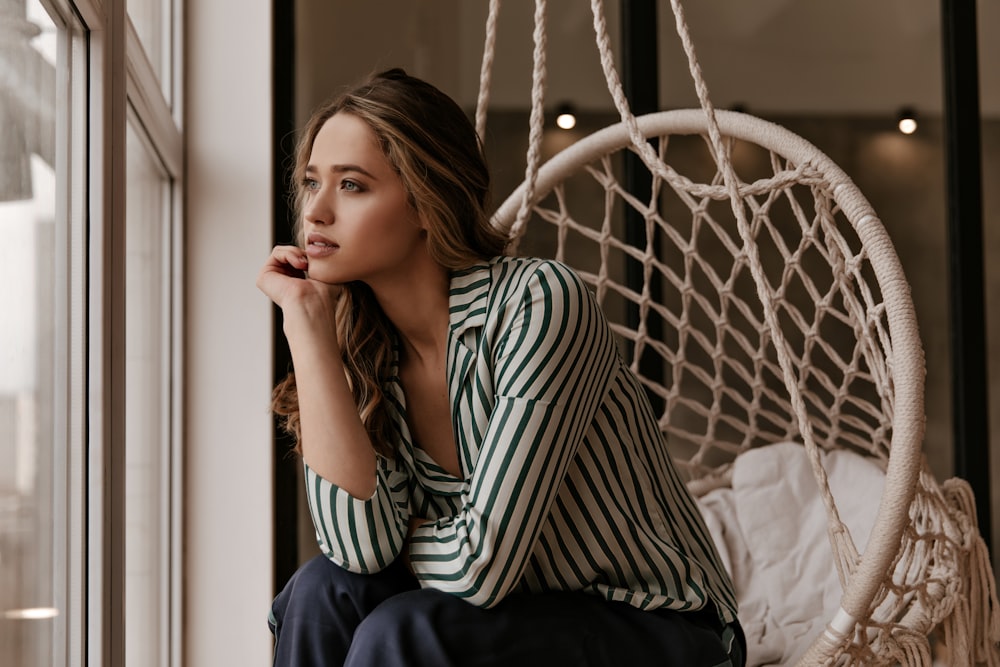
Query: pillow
{"x": 771, "y": 530}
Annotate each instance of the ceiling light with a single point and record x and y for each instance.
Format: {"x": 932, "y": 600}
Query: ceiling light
{"x": 907, "y": 120}
{"x": 565, "y": 116}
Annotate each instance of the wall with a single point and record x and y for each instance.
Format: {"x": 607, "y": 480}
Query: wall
{"x": 228, "y": 549}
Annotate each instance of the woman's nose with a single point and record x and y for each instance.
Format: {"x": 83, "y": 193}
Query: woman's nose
{"x": 317, "y": 210}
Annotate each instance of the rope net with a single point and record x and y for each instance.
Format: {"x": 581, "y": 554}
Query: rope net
{"x": 759, "y": 299}
{"x": 684, "y": 306}
{"x": 671, "y": 270}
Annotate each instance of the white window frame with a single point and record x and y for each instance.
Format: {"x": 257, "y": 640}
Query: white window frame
{"x": 219, "y": 391}
{"x": 107, "y": 74}
{"x": 69, "y": 405}
{"x": 160, "y": 121}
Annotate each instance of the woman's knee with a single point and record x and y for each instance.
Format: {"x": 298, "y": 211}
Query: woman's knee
{"x": 320, "y": 586}
{"x": 407, "y": 630}
{"x": 310, "y": 586}
{"x": 316, "y": 614}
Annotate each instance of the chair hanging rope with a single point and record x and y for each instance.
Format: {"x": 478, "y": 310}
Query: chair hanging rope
{"x": 924, "y": 566}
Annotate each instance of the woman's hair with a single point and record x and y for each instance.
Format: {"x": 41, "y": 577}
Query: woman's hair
{"x": 433, "y": 147}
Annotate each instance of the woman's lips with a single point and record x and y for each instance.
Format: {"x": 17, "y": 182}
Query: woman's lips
{"x": 320, "y": 246}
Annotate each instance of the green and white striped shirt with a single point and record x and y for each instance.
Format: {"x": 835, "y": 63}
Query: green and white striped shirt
{"x": 566, "y": 481}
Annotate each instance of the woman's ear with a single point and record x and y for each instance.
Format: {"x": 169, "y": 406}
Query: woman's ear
{"x": 422, "y": 222}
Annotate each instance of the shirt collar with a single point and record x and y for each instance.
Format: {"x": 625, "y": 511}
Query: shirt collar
{"x": 468, "y": 298}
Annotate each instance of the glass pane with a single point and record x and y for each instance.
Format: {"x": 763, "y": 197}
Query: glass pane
{"x": 28, "y": 302}
{"x": 147, "y": 409}
{"x": 151, "y": 19}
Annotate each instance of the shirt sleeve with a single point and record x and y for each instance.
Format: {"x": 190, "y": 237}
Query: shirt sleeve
{"x": 361, "y": 536}
{"x": 552, "y": 360}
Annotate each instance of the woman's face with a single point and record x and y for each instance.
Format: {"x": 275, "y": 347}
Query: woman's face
{"x": 357, "y": 221}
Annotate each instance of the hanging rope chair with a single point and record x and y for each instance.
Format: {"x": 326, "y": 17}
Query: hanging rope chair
{"x": 776, "y": 310}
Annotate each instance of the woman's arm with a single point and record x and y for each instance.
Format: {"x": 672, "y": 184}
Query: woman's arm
{"x": 334, "y": 441}
{"x": 358, "y": 507}
{"x": 551, "y": 367}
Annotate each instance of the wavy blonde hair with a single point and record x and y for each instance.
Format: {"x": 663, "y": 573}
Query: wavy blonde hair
{"x": 433, "y": 147}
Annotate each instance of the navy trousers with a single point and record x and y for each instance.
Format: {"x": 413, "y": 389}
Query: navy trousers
{"x": 327, "y": 616}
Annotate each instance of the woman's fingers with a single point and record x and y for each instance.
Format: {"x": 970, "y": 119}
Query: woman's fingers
{"x": 284, "y": 256}
{"x": 284, "y": 264}
{"x": 284, "y": 277}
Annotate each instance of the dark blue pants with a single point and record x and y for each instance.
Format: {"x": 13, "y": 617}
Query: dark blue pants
{"x": 327, "y": 616}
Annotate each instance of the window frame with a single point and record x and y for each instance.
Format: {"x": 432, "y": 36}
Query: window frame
{"x": 69, "y": 513}
{"x": 103, "y": 75}
{"x": 158, "y": 123}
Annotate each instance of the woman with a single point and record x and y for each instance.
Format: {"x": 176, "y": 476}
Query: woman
{"x": 487, "y": 481}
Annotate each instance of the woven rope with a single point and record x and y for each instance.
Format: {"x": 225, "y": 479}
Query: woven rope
{"x": 844, "y": 548}
{"x": 845, "y": 551}
{"x": 486, "y": 69}
{"x": 537, "y": 125}
{"x": 723, "y": 390}
{"x": 782, "y": 313}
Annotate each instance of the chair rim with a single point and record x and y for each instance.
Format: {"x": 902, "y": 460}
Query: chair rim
{"x": 908, "y": 370}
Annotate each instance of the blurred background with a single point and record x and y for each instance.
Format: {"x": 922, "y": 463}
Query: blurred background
{"x": 841, "y": 75}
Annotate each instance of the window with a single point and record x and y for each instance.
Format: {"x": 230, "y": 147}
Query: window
{"x": 90, "y": 185}
{"x": 147, "y": 408}
{"x": 151, "y": 19}
{"x": 33, "y": 302}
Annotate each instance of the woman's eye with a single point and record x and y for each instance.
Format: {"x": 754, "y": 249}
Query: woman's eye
{"x": 310, "y": 184}
{"x": 350, "y": 186}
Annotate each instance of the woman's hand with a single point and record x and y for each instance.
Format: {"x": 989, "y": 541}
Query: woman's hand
{"x": 335, "y": 443}
{"x": 284, "y": 279}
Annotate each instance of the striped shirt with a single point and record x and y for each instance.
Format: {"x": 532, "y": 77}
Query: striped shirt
{"x": 566, "y": 480}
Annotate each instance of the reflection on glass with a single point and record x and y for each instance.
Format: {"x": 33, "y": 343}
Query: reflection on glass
{"x": 28, "y": 302}
{"x": 146, "y": 411}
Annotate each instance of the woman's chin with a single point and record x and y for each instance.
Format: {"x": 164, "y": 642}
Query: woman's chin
{"x": 327, "y": 277}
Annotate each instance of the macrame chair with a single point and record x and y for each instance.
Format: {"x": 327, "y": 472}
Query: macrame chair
{"x": 776, "y": 308}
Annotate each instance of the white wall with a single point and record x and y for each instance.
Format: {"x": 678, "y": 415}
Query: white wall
{"x": 228, "y": 337}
